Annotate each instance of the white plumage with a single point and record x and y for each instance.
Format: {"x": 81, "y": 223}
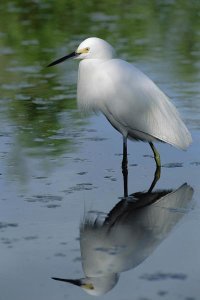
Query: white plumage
{"x": 131, "y": 101}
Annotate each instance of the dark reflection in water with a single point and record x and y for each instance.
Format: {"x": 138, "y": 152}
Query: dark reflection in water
{"x": 127, "y": 235}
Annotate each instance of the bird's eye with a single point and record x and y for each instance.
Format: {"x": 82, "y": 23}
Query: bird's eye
{"x": 88, "y": 286}
{"x": 87, "y": 48}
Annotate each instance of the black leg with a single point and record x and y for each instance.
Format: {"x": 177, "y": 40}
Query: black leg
{"x": 125, "y": 167}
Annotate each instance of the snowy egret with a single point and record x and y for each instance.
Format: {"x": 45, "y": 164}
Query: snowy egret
{"x": 123, "y": 239}
{"x": 130, "y": 101}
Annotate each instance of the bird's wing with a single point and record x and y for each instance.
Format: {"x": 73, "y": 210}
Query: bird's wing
{"x": 133, "y": 103}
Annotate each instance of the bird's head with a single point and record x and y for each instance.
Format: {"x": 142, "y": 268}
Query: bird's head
{"x": 95, "y": 286}
{"x": 91, "y": 48}
{"x": 94, "y": 48}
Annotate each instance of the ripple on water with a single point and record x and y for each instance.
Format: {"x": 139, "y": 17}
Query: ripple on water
{"x": 24, "y": 69}
{"x": 17, "y": 86}
{"x": 6, "y": 51}
{"x": 82, "y": 173}
{"x": 44, "y": 198}
{"x": 195, "y": 163}
{"x": 53, "y": 205}
{"x": 30, "y": 42}
{"x": 60, "y": 254}
{"x": 31, "y": 238}
{"x": 80, "y": 187}
{"x": 22, "y": 97}
{"x": 173, "y": 165}
{"x": 9, "y": 241}
{"x": 58, "y": 97}
{"x": 4, "y": 225}
{"x": 164, "y": 276}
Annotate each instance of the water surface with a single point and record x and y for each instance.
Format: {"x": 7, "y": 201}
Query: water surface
{"x": 57, "y": 165}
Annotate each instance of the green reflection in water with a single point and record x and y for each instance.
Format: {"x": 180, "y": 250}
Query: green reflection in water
{"x": 40, "y": 102}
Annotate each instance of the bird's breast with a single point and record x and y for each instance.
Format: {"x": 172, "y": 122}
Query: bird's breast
{"x": 88, "y": 85}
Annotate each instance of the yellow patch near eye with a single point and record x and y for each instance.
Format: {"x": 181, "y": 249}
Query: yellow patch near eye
{"x": 84, "y": 50}
{"x": 88, "y": 286}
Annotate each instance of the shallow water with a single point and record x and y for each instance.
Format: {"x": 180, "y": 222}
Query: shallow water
{"x": 57, "y": 165}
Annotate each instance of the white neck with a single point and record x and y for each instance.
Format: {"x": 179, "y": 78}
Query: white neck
{"x": 87, "y": 73}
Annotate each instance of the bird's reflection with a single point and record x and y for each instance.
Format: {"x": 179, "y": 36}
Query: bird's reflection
{"x": 157, "y": 175}
{"x": 128, "y": 234}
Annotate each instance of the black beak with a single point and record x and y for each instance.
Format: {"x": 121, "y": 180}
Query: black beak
{"x": 73, "y": 54}
{"x": 73, "y": 281}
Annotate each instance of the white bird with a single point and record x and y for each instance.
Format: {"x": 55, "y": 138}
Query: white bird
{"x": 127, "y": 236}
{"x": 130, "y": 100}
